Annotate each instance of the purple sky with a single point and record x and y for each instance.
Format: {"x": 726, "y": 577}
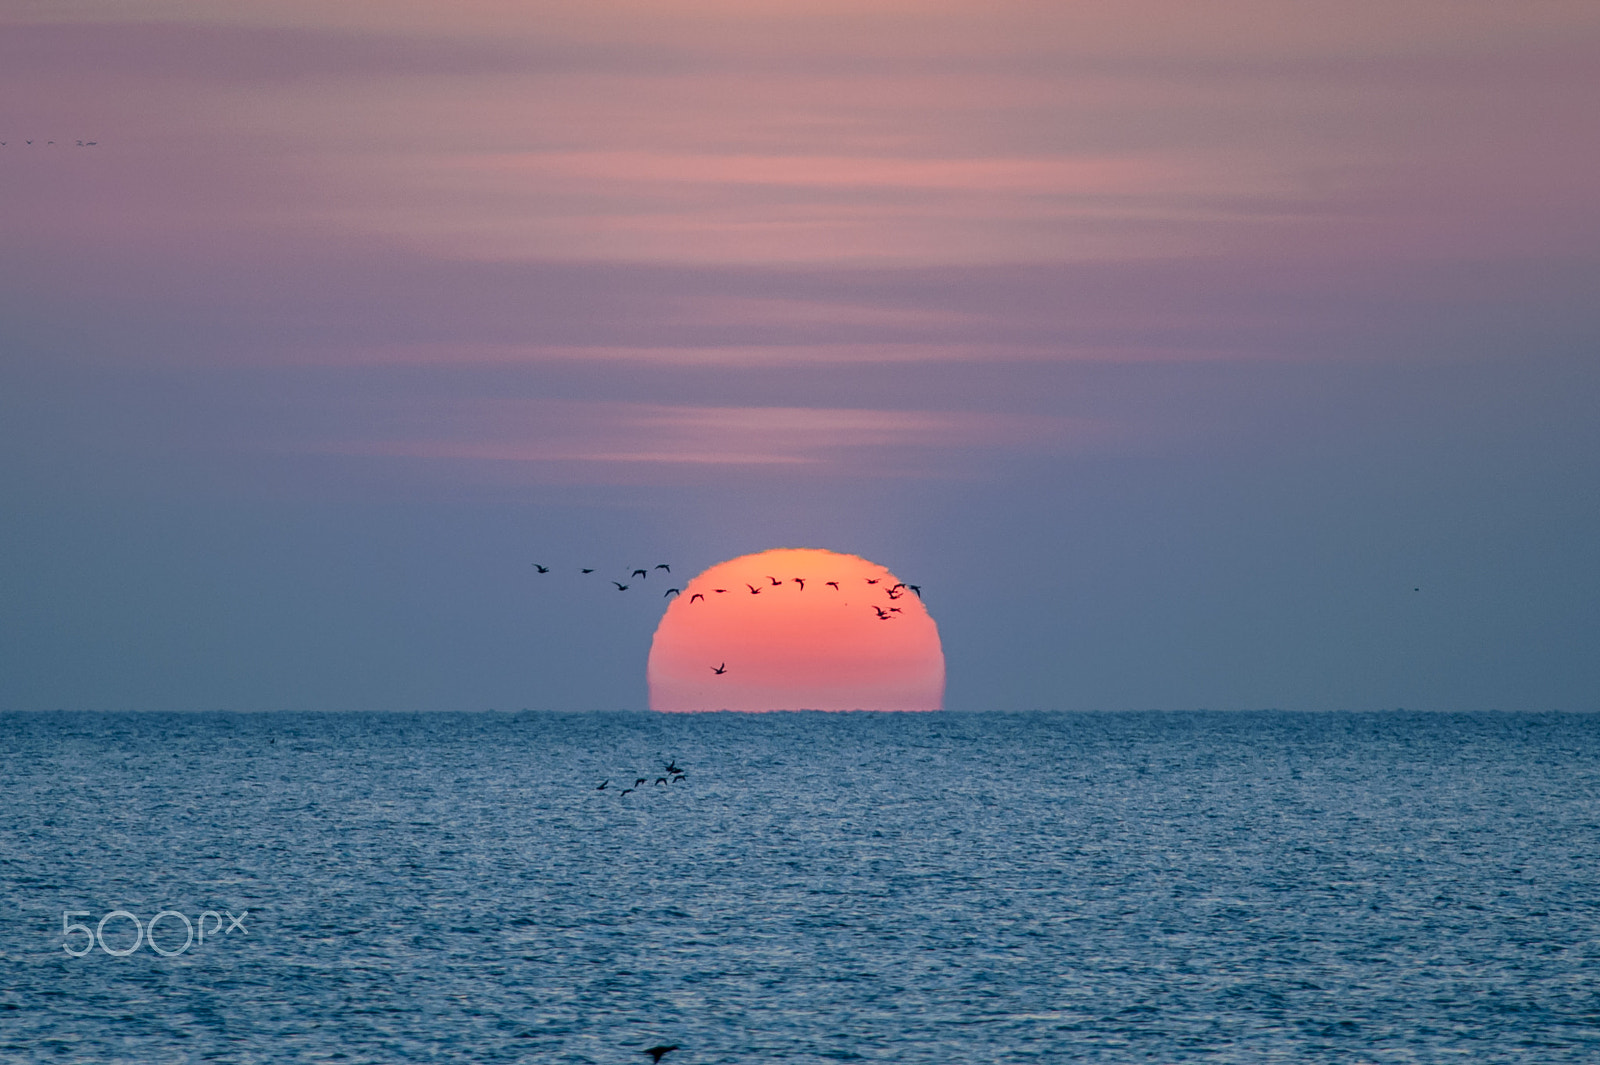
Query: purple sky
{"x": 1168, "y": 346}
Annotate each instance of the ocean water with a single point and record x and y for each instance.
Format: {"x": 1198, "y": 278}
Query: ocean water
{"x": 951, "y": 888}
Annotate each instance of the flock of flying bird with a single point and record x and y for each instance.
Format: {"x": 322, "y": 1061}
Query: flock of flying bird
{"x": 893, "y": 591}
{"x": 49, "y": 144}
{"x": 673, "y": 775}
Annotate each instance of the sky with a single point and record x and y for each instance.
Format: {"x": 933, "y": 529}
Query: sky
{"x": 1227, "y": 356}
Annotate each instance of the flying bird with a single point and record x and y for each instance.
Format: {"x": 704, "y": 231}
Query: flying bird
{"x": 663, "y": 565}
{"x": 626, "y": 791}
{"x": 661, "y": 780}
{"x": 541, "y": 569}
{"x": 640, "y": 573}
{"x": 894, "y": 610}
{"x": 883, "y": 615}
{"x": 603, "y": 784}
{"x": 641, "y": 780}
{"x": 586, "y": 571}
{"x": 801, "y": 581}
{"x": 695, "y": 596}
{"x": 873, "y": 580}
{"x": 657, "y": 1053}
{"x": 916, "y": 588}
{"x": 834, "y": 585}
{"x": 672, "y": 591}
{"x": 775, "y": 581}
{"x": 720, "y": 670}
{"x": 720, "y": 591}
{"x": 753, "y": 589}
{"x": 620, "y": 587}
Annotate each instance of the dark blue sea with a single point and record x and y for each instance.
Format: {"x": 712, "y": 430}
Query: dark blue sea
{"x": 950, "y": 888}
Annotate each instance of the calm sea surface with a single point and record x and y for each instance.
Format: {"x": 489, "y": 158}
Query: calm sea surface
{"x": 952, "y": 888}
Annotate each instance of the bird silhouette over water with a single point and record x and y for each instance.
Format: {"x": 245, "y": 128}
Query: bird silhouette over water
{"x": 603, "y": 784}
{"x": 720, "y": 670}
{"x": 641, "y": 780}
{"x": 626, "y": 791}
{"x": 658, "y": 1052}
{"x": 661, "y": 780}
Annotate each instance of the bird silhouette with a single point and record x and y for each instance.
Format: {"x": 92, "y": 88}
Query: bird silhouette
{"x": 720, "y": 670}
{"x": 775, "y": 581}
{"x": 894, "y": 610}
{"x": 603, "y": 784}
{"x": 753, "y": 589}
{"x": 801, "y": 581}
{"x": 873, "y": 580}
{"x": 916, "y": 588}
{"x": 695, "y": 596}
{"x": 641, "y": 780}
{"x": 640, "y": 573}
{"x": 721, "y": 591}
{"x": 883, "y": 615}
{"x": 672, "y": 591}
{"x": 620, "y": 586}
{"x": 661, "y": 780}
{"x": 834, "y": 585}
{"x": 626, "y": 791}
{"x": 663, "y": 565}
{"x": 586, "y": 571}
{"x": 658, "y": 1052}
{"x": 541, "y": 569}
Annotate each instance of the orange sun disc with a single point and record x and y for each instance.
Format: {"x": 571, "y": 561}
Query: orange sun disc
{"x": 796, "y": 629}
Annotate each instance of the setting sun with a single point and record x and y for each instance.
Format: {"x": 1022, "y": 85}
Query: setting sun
{"x": 796, "y": 629}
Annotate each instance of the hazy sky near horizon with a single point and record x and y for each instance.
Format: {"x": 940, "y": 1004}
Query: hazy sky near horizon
{"x": 1231, "y": 355}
